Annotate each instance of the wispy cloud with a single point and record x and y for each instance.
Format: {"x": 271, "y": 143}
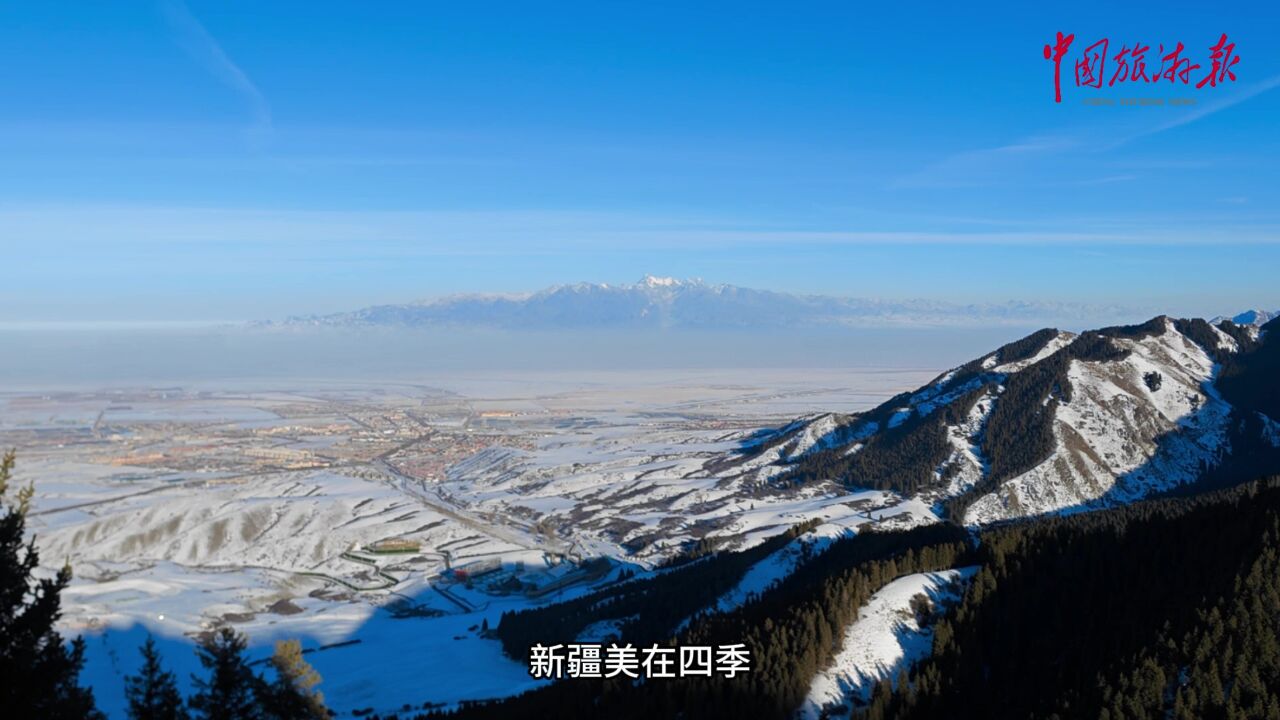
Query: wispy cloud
{"x": 984, "y": 166}
{"x": 140, "y": 231}
{"x": 1204, "y": 110}
{"x": 192, "y": 36}
{"x": 1107, "y": 180}
{"x": 1016, "y": 162}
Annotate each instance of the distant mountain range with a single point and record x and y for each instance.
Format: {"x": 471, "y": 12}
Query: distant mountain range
{"x": 657, "y": 302}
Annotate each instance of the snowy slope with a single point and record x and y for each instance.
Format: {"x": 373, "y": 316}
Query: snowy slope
{"x": 770, "y": 571}
{"x": 966, "y": 466}
{"x": 1117, "y": 437}
{"x": 1059, "y": 341}
{"x": 291, "y": 521}
{"x": 884, "y": 639}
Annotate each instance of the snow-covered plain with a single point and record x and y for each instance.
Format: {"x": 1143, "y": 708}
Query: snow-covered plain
{"x": 181, "y": 511}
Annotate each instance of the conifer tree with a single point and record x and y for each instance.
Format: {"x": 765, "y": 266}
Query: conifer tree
{"x": 230, "y": 691}
{"x": 40, "y": 673}
{"x": 153, "y": 692}
{"x": 292, "y": 696}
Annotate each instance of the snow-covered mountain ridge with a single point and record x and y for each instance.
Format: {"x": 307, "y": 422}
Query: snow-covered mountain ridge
{"x": 1054, "y": 422}
{"x": 1253, "y": 318}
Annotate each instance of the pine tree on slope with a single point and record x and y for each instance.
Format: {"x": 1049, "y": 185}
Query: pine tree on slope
{"x": 153, "y": 692}
{"x": 230, "y": 691}
{"x": 41, "y": 674}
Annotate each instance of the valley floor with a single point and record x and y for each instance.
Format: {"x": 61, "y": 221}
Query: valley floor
{"x": 384, "y": 526}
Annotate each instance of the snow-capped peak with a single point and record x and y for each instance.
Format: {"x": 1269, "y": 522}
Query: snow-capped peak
{"x": 1254, "y": 318}
{"x": 653, "y": 281}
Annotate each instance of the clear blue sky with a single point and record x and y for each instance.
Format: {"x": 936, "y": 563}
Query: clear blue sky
{"x": 223, "y": 160}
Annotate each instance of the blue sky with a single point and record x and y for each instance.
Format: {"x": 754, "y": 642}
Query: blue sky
{"x": 225, "y": 160}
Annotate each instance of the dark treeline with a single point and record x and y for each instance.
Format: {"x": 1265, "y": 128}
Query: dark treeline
{"x": 1150, "y": 328}
{"x": 792, "y": 631}
{"x": 1201, "y": 333}
{"x": 795, "y": 631}
{"x": 1168, "y": 608}
{"x": 1251, "y": 453}
{"x": 1027, "y": 347}
{"x": 1251, "y": 380}
{"x": 1020, "y": 349}
{"x": 904, "y": 459}
{"x": 1241, "y": 333}
{"x": 1019, "y": 432}
{"x": 1227, "y": 665}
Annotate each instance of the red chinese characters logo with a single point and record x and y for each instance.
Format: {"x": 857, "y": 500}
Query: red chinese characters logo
{"x": 1224, "y": 58}
{"x": 1090, "y": 67}
{"x": 1129, "y": 64}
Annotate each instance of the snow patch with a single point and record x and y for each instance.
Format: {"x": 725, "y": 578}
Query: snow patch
{"x": 884, "y": 639}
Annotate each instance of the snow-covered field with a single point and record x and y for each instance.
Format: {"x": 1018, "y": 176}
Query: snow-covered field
{"x": 368, "y": 656}
{"x": 263, "y": 509}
